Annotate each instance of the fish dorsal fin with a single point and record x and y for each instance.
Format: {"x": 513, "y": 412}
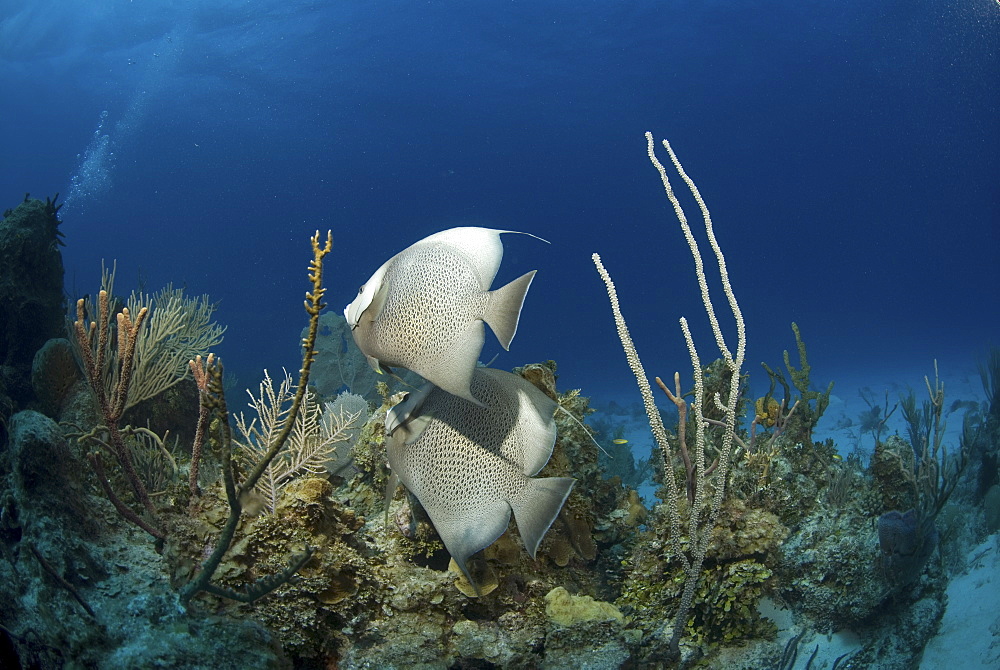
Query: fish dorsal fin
{"x": 532, "y": 414}
{"x": 482, "y": 246}
{"x": 535, "y": 425}
{"x": 537, "y": 506}
{"x": 535, "y": 417}
{"x": 503, "y": 309}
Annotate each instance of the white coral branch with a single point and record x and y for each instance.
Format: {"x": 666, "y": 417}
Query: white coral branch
{"x": 313, "y": 442}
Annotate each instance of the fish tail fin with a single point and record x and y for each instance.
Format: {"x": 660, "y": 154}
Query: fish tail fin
{"x": 537, "y": 506}
{"x": 503, "y": 310}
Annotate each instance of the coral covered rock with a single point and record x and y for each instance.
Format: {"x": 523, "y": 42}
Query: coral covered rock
{"x": 892, "y": 467}
{"x": 46, "y": 481}
{"x": 31, "y": 291}
{"x": 566, "y": 609}
{"x": 829, "y": 569}
{"x": 54, "y": 372}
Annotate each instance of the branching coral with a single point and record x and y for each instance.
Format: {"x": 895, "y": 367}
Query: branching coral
{"x": 811, "y": 403}
{"x": 709, "y": 489}
{"x": 213, "y": 399}
{"x": 314, "y": 440}
{"x": 908, "y": 538}
{"x": 177, "y": 329}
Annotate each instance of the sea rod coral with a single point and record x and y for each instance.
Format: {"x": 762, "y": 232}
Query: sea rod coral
{"x": 709, "y": 480}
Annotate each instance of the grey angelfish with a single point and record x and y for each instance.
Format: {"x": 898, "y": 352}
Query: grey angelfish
{"x": 470, "y": 465}
{"x": 424, "y": 309}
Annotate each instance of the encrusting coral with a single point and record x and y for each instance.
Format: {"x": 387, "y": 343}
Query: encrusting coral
{"x": 566, "y": 609}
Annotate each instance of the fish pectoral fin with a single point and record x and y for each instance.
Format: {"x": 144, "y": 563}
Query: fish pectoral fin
{"x": 503, "y": 309}
{"x": 401, "y": 414}
{"x": 416, "y": 427}
{"x": 537, "y": 506}
{"x": 372, "y": 361}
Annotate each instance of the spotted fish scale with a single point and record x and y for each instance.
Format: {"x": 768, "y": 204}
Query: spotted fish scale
{"x": 434, "y": 290}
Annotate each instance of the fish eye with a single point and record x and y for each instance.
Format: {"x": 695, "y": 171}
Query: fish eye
{"x": 361, "y": 289}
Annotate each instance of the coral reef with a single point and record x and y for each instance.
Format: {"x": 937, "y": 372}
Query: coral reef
{"x": 370, "y": 594}
{"x": 323, "y": 570}
{"x": 907, "y": 543}
{"x": 565, "y": 609}
{"x": 86, "y": 589}
{"x": 892, "y": 465}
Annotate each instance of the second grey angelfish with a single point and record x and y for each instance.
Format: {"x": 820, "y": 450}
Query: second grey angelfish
{"x": 424, "y": 309}
{"x": 470, "y": 465}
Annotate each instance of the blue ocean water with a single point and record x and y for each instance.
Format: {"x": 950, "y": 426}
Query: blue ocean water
{"x": 849, "y": 152}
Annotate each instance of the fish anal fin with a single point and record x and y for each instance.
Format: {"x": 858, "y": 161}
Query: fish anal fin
{"x": 503, "y": 310}
{"x": 453, "y": 372}
{"x": 537, "y": 506}
{"x": 464, "y": 536}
